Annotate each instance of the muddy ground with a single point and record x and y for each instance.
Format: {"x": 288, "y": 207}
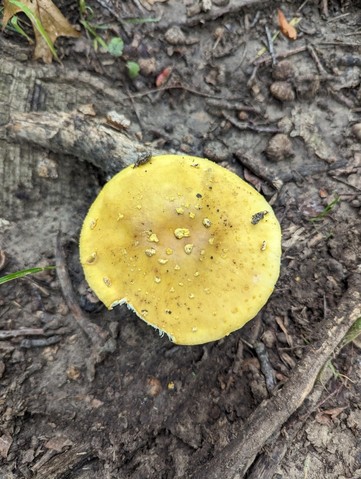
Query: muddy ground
{"x": 132, "y": 404}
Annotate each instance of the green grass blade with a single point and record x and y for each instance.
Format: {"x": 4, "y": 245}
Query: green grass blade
{"x": 90, "y": 29}
{"x": 353, "y": 332}
{"x": 328, "y": 208}
{"x": 16, "y": 26}
{"x": 22, "y": 273}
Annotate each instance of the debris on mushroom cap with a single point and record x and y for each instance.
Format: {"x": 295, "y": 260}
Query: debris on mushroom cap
{"x": 194, "y": 251}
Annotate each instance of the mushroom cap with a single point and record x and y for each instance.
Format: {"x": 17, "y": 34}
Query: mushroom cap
{"x": 189, "y": 246}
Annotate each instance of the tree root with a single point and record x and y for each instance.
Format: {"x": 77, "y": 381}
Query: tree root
{"x": 236, "y": 458}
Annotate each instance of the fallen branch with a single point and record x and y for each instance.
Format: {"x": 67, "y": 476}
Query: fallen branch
{"x": 78, "y": 135}
{"x": 269, "y": 417}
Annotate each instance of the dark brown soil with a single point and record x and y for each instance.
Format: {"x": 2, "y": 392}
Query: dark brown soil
{"x": 133, "y": 405}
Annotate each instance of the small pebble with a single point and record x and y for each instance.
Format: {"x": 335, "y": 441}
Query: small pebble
{"x": 279, "y": 148}
{"x": 154, "y": 387}
{"x": 243, "y": 116}
{"x": 47, "y": 168}
{"x": 356, "y": 131}
{"x": 148, "y": 66}
{"x": 282, "y": 338}
{"x": 175, "y": 36}
{"x": 268, "y": 338}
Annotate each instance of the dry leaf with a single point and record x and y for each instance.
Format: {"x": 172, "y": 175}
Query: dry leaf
{"x": 286, "y": 28}
{"x": 321, "y": 418}
{"x": 5, "y": 443}
{"x": 334, "y": 412}
{"x": 328, "y": 415}
{"x": 58, "y": 443}
{"x": 52, "y": 20}
{"x": 284, "y": 330}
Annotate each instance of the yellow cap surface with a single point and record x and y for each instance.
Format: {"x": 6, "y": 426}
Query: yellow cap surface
{"x": 189, "y": 246}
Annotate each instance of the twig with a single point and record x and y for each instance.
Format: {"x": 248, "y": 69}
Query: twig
{"x": 337, "y": 18}
{"x": 40, "y": 343}
{"x": 349, "y": 185}
{"x": 250, "y": 126}
{"x": 91, "y": 331}
{"x": 220, "y": 12}
{"x": 341, "y": 98}
{"x": 300, "y": 8}
{"x": 251, "y": 79}
{"x": 229, "y": 105}
{"x": 276, "y": 177}
{"x": 340, "y": 44}
{"x": 289, "y": 53}
{"x": 266, "y": 366}
{"x": 15, "y": 333}
{"x": 270, "y": 45}
{"x": 178, "y": 86}
{"x": 135, "y": 108}
{"x": 269, "y": 417}
{"x": 325, "y": 7}
{"x": 255, "y": 19}
{"x": 3, "y": 259}
{"x": 315, "y": 58}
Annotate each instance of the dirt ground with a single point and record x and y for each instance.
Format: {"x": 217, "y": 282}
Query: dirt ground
{"x": 131, "y": 404}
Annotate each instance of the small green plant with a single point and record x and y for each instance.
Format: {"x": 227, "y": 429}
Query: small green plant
{"x": 327, "y": 210}
{"x": 22, "y": 273}
{"x": 133, "y": 69}
{"x": 335, "y": 372}
{"x": 114, "y": 46}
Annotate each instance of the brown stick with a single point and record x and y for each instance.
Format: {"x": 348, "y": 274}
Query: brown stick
{"x": 233, "y": 7}
{"x": 268, "y": 418}
{"x": 76, "y": 134}
{"x": 93, "y": 332}
{"x": 15, "y": 333}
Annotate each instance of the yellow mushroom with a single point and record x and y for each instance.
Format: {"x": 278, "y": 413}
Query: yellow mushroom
{"x": 196, "y": 276}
